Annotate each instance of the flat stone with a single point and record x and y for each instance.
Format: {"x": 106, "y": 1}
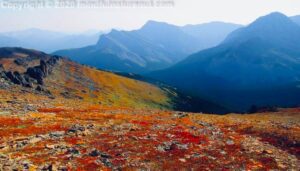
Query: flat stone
{"x": 268, "y": 151}
{"x": 230, "y": 142}
{"x": 57, "y": 134}
{"x": 50, "y": 146}
{"x": 182, "y": 160}
{"x": 35, "y": 140}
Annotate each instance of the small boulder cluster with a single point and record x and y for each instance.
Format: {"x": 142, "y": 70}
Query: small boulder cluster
{"x": 43, "y": 70}
{"x": 17, "y": 78}
{"x": 32, "y": 75}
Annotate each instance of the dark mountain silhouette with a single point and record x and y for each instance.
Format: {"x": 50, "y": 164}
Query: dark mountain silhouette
{"x": 14, "y": 52}
{"x": 156, "y": 45}
{"x": 258, "y": 64}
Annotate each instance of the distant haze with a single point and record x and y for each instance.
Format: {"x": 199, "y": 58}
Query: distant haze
{"x": 184, "y": 12}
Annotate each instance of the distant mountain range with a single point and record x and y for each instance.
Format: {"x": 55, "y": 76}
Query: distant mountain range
{"x": 156, "y": 45}
{"x": 255, "y": 65}
{"x": 48, "y": 41}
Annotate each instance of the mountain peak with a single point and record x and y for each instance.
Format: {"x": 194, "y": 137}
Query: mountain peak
{"x": 276, "y": 14}
{"x": 272, "y": 27}
{"x": 114, "y": 31}
{"x": 275, "y": 19}
{"x": 272, "y": 17}
{"x": 151, "y": 24}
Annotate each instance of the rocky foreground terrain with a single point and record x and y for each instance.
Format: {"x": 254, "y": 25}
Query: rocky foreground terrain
{"x": 109, "y": 138}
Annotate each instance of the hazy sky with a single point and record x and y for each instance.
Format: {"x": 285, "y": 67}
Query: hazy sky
{"x": 184, "y": 12}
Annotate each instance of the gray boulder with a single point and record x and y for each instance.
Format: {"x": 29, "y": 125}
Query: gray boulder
{"x": 36, "y": 73}
{"x": 19, "y": 79}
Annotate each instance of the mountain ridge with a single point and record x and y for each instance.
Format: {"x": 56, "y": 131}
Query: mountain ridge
{"x": 250, "y": 58}
{"x": 156, "y": 45}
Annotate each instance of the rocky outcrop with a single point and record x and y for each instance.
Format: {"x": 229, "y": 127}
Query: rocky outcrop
{"x": 37, "y": 74}
{"x": 19, "y": 79}
{"x": 32, "y": 75}
{"x": 43, "y": 70}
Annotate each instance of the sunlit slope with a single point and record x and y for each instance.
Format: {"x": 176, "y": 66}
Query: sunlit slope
{"x": 72, "y": 80}
{"x": 67, "y": 82}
